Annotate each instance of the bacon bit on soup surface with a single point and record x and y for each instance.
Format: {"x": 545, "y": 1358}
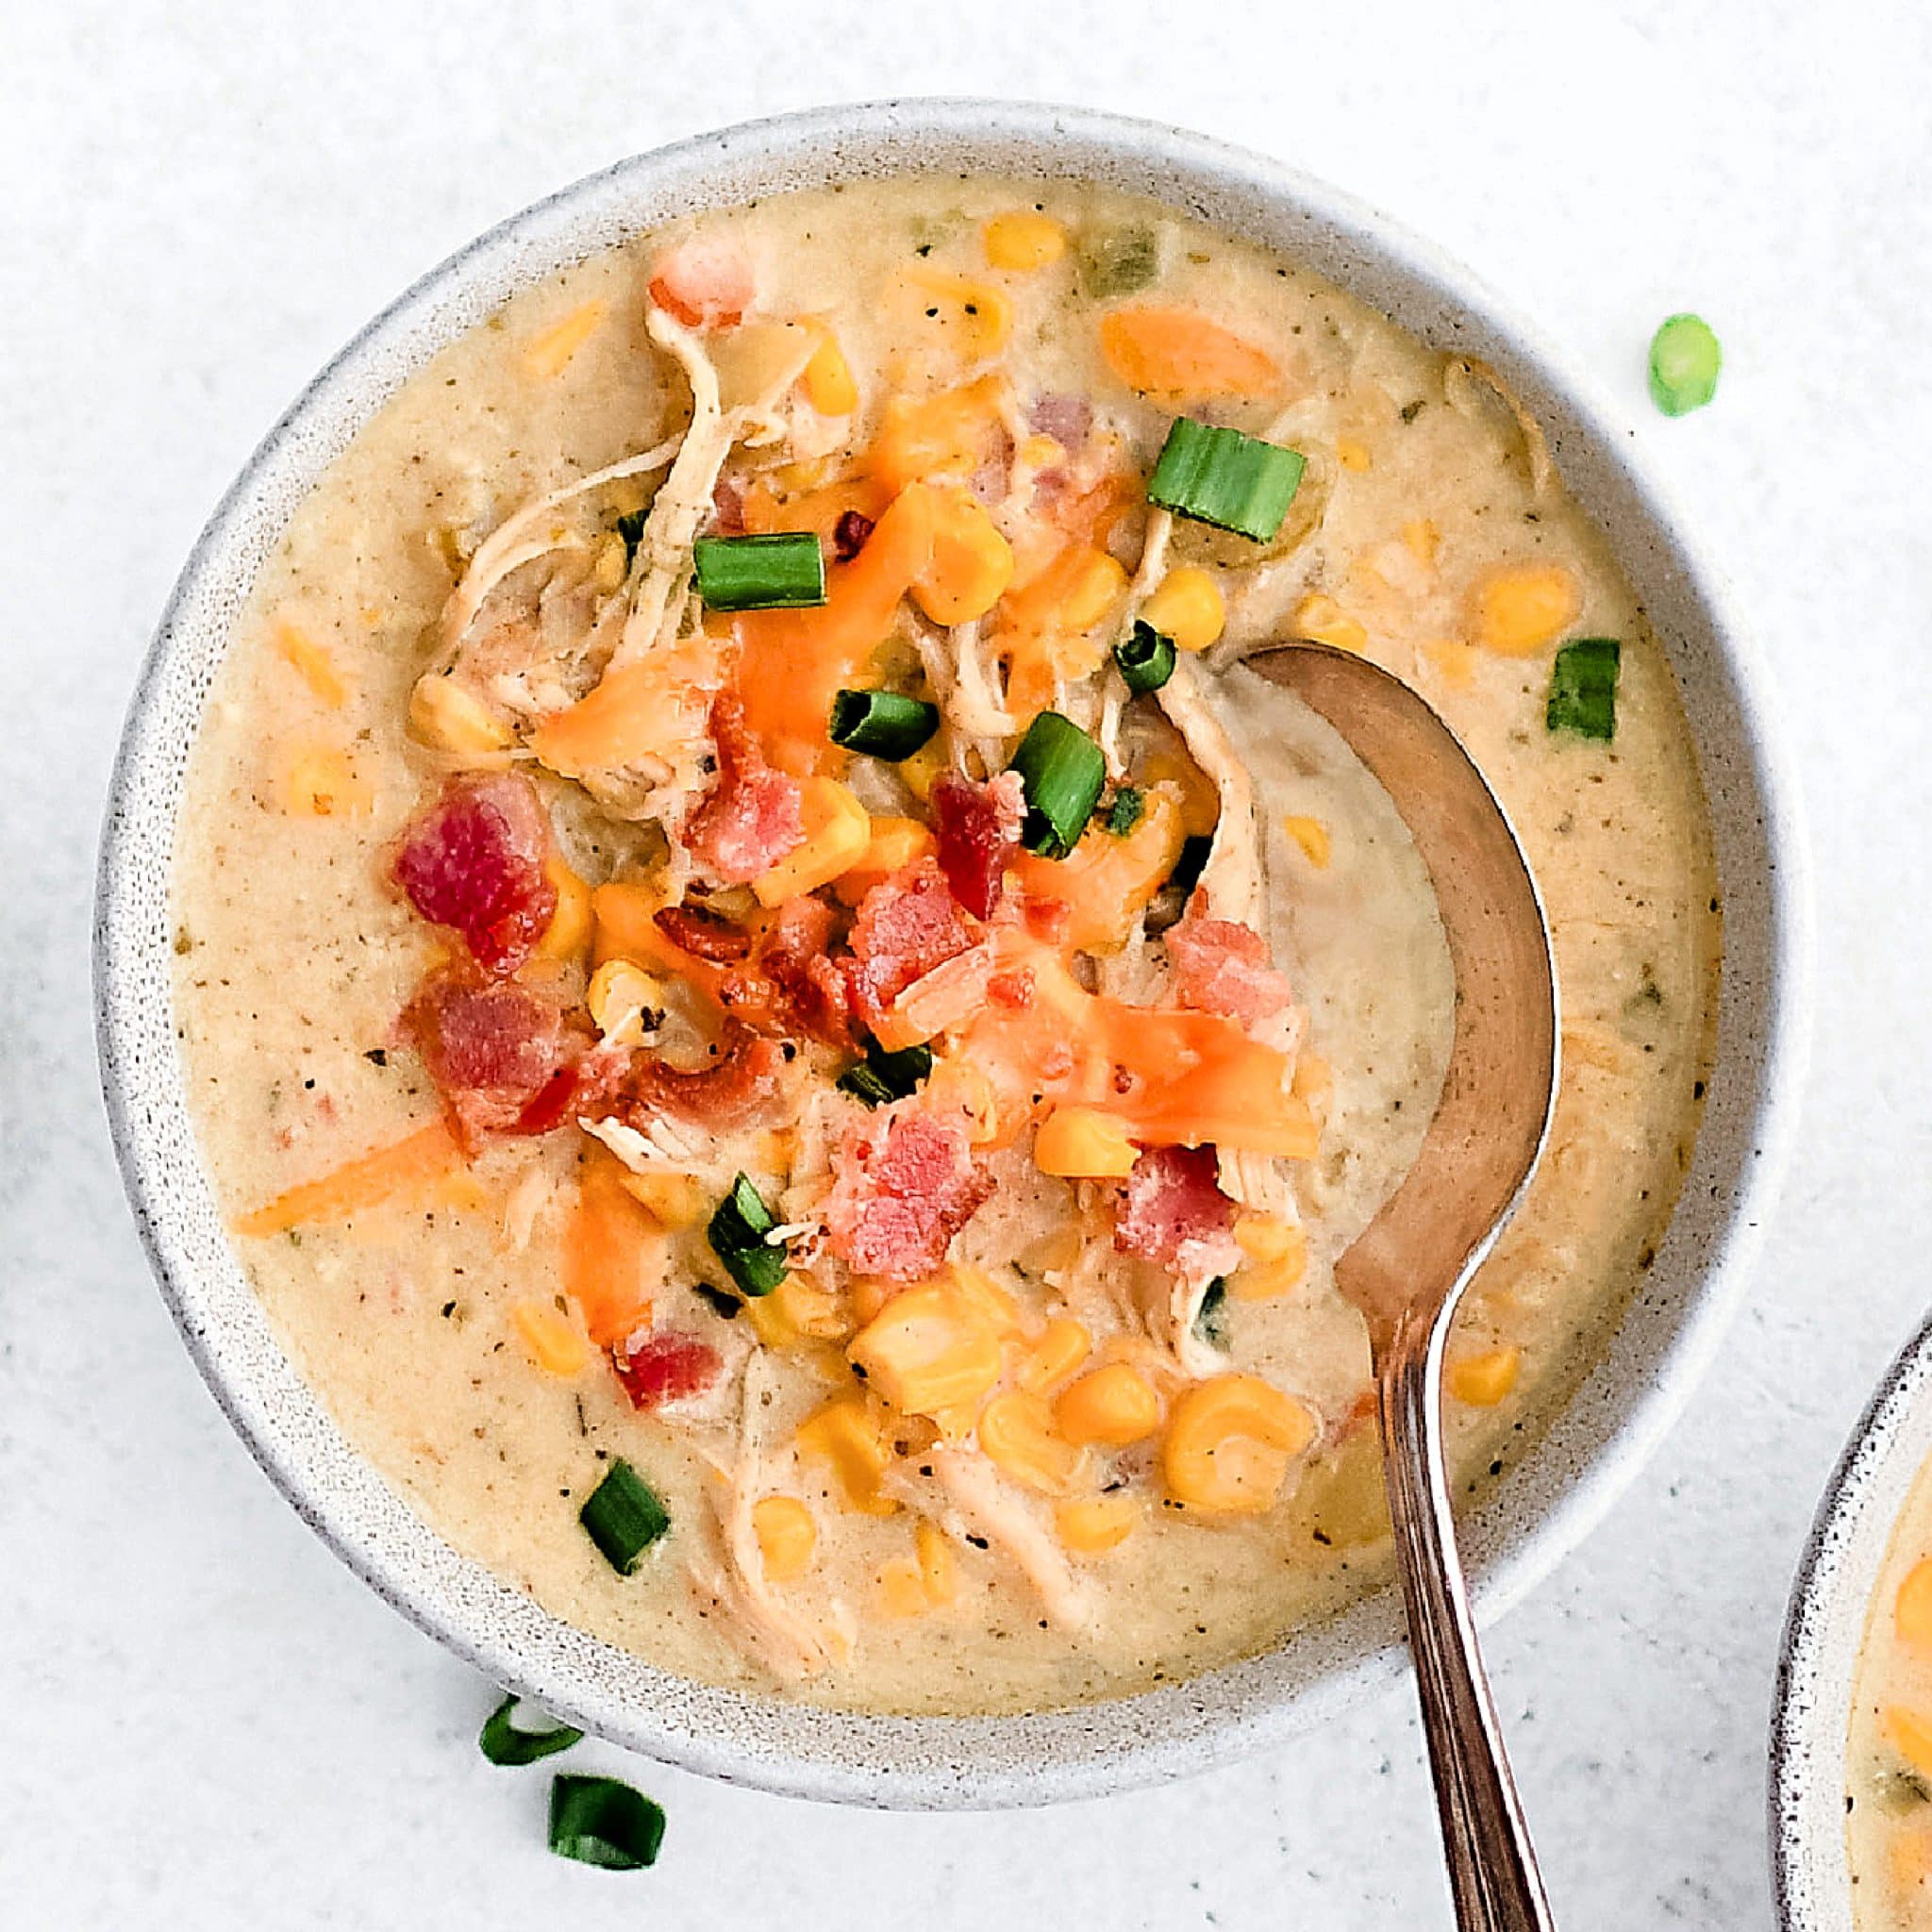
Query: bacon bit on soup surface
{"x": 828, "y": 951}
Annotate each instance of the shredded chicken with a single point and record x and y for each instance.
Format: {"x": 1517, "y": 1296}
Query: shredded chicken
{"x": 791, "y": 1646}
{"x": 979, "y": 1499}
{"x": 1231, "y": 879}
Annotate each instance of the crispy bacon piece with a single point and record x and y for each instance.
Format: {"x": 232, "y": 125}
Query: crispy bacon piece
{"x": 1067, "y": 418}
{"x": 704, "y": 283}
{"x": 703, "y": 933}
{"x": 740, "y": 1082}
{"x": 666, "y": 1367}
{"x": 849, "y": 534}
{"x": 1222, "y": 966}
{"x": 907, "y": 1183}
{"x": 795, "y": 957}
{"x": 906, "y": 925}
{"x": 977, "y": 827}
{"x": 475, "y": 860}
{"x": 502, "y": 1057}
{"x": 754, "y": 817}
{"x": 1174, "y": 1213}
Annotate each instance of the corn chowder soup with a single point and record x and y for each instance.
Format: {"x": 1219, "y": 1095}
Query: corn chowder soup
{"x": 1889, "y": 1753}
{"x": 790, "y": 1038}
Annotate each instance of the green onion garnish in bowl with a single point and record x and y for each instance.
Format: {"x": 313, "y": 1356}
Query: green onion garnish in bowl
{"x": 1063, "y": 773}
{"x": 739, "y": 1233}
{"x": 601, "y": 1821}
{"x": 623, "y": 1517}
{"x": 881, "y": 1077}
{"x": 1126, "y": 810}
{"x": 882, "y": 724}
{"x": 503, "y": 1741}
{"x": 780, "y": 570}
{"x": 1582, "y": 689}
{"x": 1684, "y": 362}
{"x": 1145, "y": 658}
{"x": 1222, "y": 477}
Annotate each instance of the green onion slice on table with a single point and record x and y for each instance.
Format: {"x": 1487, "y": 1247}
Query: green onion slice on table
{"x": 882, "y": 724}
{"x": 1221, "y": 477}
{"x": 623, "y": 1516}
{"x": 504, "y": 1742}
{"x": 1685, "y": 362}
{"x": 1063, "y": 773}
{"x": 780, "y": 570}
{"x": 1582, "y": 689}
{"x": 739, "y": 1232}
{"x": 601, "y": 1821}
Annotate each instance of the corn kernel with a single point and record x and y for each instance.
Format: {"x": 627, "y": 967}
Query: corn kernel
{"x": 766, "y": 1317}
{"x": 1063, "y": 1346}
{"x": 443, "y": 714}
{"x": 321, "y": 782}
{"x": 1229, "y": 1442}
{"x": 1188, "y": 607}
{"x": 1911, "y": 1735}
{"x": 927, "y": 1349}
{"x": 1115, "y": 1405}
{"x": 1039, "y": 452}
{"x": 919, "y": 773}
{"x": 1092, "y": 1526}
{"x": 1016, "y": 1431}
{"x": 938, "y": 1568}
{"x": 808, "y": 1308}
{"x": 1352, "y": 455}
{"x": 848, "y": 1436}
{"x": 1200, "y": 800}
{"x": 986, "y": 1298}
{"x": 1024, "y": 240}
{"x": 837, "y": 830}
{"x": 1422, "y": 540}
{"x": 611, "y": 564}
{"x": 1269, "y": 1280}
{"x": 1483, "y": 1381}
{"x": 1522, "y": 607}
{"x": 673, "y": 1201}
{"x": 1311, "y": 835}
{"x": 549, "y": 349}
{"x": 829, "y": 384}
{"x": 1081, "y": 1143}
{"x": 788, "y": 1536}
{"x": 308, "y": 658}
{"x": 567, "y": 935}
{"x": 1320, "y": 619}
{"x": 1091, "y": 588}
{"x": 554, "y": 1341}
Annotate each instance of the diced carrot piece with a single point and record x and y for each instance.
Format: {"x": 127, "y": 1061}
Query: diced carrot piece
{"x": 1183, "y": 356}
{"x": 607, "y": 1247}
{"x": 427, "y": 1155}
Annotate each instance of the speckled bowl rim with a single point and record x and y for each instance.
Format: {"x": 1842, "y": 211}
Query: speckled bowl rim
{"x": 1564, "y": 1485}
{"x": 1811, "y": 1705}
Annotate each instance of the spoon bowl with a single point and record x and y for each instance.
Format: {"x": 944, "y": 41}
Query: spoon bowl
{"x": 1407, "y": 1269}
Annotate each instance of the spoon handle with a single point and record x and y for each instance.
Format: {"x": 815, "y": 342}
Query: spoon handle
{"x": 1492, "y": 1870}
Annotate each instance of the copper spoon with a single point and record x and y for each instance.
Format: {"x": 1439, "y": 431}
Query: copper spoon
{"x": 1408, "y": 1268}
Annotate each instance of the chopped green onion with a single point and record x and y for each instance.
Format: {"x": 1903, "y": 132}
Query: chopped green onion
{"x": 882, "y": 724}
{"x": 1210, "y": 1319}
{"x": 601, "y": 1821}
{"x": 1145, "y": 658}
{"x": 882, "y": 1076}
{"x": 502, "y": 1743}
{"x": 781, "y": 570}
{"x": 721, "y": 1301}
{"x": 1685, "y": 359}
{"x": 1221, "y": 478}
{"x": 630, "y": 526}
{"x": 1125, "y": 811}
{"x": 1582, "y": 689}
{"x": 625, "y": 1516}
{"x": 1118, "y": 261}
{"x": 1063, "y": 772}
{"x": 738, "y": 1232}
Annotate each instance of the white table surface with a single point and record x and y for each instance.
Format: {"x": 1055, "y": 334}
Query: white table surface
{"x": 207, "y": 1722}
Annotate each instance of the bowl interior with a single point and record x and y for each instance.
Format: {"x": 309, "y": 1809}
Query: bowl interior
{"x": 1830, "y": 1601}
{"x": 1562, "y": 1486}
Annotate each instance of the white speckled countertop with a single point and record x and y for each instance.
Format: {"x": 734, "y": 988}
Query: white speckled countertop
{"x": 208, "y": 1723}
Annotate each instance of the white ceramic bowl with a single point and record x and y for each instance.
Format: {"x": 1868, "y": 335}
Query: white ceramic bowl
{"x": 1563, "y": 1485}
{"x": 1812, "y": 1709}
